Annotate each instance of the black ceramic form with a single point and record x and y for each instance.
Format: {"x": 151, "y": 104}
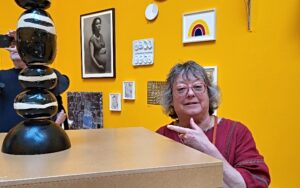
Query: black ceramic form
{"x": 38, "y": 76}
{"x": 35, "y": 137}
{"x": 28, "y": 4}
{"x": 36, "y": 45}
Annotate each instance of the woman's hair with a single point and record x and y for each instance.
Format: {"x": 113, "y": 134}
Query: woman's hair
{"x": 186, "y": 69}
{"x": 94, "y": 24}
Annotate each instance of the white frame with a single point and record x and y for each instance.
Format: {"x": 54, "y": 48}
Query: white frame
{"x": 112, "y": 106}
{"x": 214, "y": 74}
{"x": 129, "y": 90}
{"x": 206, "y": 19}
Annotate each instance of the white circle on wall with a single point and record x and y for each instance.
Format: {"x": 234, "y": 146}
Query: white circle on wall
{"x": 151, "y": 11}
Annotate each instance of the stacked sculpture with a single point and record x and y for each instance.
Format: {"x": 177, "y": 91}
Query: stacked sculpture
{"x": 36, "y": 44}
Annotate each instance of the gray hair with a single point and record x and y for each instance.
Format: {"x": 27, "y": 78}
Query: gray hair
{"x": 187, "y": 68}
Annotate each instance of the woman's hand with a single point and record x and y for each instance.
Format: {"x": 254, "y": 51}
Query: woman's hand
{"x": 193, "y": 137}
{"x": 197, "y": 139}
{"x": 61, "y": 116}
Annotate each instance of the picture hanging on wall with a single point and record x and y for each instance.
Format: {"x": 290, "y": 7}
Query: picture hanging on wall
{"x": 97, "y": 32}
{"x": 129, "y": 90}
{"x": 199, "y": 26}
{"x": 115, "y": 102}
{"x": 212, "y": 73}
{"x": 85, "y": 110}
{"x": 154, "y": 92}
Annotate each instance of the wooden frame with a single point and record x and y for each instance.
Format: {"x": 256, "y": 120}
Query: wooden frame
{"x": 98, "y": 50}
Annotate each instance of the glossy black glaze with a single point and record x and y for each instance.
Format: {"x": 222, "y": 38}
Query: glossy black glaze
{"x": 36, "y": 97}
{"x": 38, "y": 71}
{"x": 28, "y": 4}
{"x": 36, "y": 45}
{"x": 35, "y": 137}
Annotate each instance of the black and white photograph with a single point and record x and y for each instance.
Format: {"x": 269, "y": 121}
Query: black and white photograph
{"x": 98, "y": 44}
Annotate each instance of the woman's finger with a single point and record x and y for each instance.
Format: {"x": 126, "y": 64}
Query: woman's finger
{"x": 178, "y": 129}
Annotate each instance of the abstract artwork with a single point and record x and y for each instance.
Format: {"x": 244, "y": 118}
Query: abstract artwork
{"x": 199, "y": 26}
{"x": 85, "y": 110}
{"x": 154, "y": 91}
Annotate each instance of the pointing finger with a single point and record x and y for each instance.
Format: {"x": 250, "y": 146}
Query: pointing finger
{"x": 178, "y": 129}
{"x": 193, "y": 124}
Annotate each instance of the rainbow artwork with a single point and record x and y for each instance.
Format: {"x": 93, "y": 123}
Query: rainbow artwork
{"x": 198, "y": 28}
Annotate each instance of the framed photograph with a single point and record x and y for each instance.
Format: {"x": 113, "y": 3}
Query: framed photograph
{"x": 85, "y": 110}
{"x": 115, "y": 102}
{"x": 97, "y": 32}
{"x": 212, "y": 73}
{"x": 129, "y": 90}
{"x": 199, "y": 26}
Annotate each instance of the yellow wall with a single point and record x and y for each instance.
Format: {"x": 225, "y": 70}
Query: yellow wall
{"x": 258, "y": 71}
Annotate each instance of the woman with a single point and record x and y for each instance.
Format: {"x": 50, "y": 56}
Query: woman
{"x": 191, "y": 99}
{"x": 97, "y": 46}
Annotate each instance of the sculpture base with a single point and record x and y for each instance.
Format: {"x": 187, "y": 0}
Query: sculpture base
{"x": 31, "y": 137}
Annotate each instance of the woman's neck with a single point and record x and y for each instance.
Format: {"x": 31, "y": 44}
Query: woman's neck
{"x": 204, "y": 123}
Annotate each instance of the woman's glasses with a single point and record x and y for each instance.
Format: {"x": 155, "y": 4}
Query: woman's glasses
{"x": 197, "y": 88}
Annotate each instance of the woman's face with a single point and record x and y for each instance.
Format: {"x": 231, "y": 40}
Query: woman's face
{"x": 98, "y": 24}
{"x": 190, "y": 97}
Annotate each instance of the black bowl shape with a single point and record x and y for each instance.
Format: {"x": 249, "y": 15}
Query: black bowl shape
{"x": 31, "y": 137}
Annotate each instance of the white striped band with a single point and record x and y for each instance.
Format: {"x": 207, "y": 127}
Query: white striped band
{"x": 25, "y": 106}
{"x": 37, "y": 78}
{"x": 23, "y": 23}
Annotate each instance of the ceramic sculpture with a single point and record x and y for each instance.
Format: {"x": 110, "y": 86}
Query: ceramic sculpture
{"x": 36, "y": 45}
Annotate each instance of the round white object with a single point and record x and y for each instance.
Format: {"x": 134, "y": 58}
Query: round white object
{"x": 151, "y": 11}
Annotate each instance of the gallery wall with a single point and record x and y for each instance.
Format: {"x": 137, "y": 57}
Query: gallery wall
{"x": 258, "y": 71}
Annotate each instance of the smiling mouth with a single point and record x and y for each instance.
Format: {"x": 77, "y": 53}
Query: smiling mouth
{"x": 191, "y": 103}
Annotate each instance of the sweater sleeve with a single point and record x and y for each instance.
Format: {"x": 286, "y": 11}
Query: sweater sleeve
{"x": 249, "y": 162}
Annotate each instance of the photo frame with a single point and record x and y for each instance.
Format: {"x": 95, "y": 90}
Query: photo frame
{"x": 129, "y": 90}
{"x": 212, "y": 73}
{"x": 97, "y": 33}
{"x": 199, "y": 26}
{"x": 115, "y": 102}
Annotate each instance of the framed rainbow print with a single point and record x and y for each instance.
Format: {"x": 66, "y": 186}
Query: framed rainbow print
{"x": 199, "y": 26}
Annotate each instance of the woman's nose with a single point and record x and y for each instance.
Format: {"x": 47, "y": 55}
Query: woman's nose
{"x": 190, "y": 91}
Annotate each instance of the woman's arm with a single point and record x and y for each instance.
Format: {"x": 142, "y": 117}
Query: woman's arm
{"x": 93, "y": 55}
{"x": 197, "y": 139}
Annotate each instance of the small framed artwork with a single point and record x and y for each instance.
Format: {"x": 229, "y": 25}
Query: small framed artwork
{"x": 212, "y": 73}
{"x": 129, "y": 90}
{"x": 199, "y": 26}
{"x": 115, "y": 102}
{"x": 155, "y": 91}
{"x": 97, "y": 32}
{"x": 85, "y": 110}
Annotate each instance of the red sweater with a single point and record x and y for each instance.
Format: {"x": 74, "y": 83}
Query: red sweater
{"x": 236, "y": 144}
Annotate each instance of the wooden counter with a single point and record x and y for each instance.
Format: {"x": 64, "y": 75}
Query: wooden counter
{"x": 113, "y": 158}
